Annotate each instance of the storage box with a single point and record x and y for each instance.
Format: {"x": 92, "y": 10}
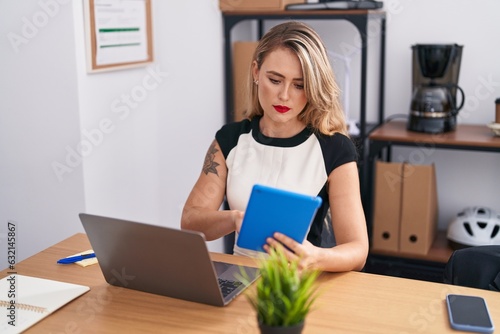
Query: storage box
{"x": 255, "y": 5}
{"x": 405, "y": 208}
{"x": 242, "y": 59}
{"x": 387, "y": 206}
{"x": 419, "y": 211}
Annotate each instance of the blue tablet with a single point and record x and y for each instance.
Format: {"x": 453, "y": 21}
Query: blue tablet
{"x": 272, "y": 210}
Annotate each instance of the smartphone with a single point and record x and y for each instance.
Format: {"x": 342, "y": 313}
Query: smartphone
{"x": 469, "y": 313}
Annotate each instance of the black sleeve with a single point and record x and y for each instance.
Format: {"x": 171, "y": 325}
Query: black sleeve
{"x": 228, "y": 135}
{"x": 337, "y": 150}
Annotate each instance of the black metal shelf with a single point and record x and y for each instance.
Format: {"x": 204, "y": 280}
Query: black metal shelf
{"x": 359, "y": 18}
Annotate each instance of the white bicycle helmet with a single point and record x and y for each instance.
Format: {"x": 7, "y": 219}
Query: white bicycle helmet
{"x": 474, "y": 226}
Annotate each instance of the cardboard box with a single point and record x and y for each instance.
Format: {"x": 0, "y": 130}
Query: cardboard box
{"x": 405, "y": 208}
{"x": 419, "y": 210}
{"x": 255, "y": 5}
{"x": 242, "y": 59}
{"x": 387, "y": 206}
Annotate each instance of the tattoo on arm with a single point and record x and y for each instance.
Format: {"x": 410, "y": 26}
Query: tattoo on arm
{"x": 209, "y": 166}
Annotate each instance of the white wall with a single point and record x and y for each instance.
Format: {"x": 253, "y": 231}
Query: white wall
{"x": 145, "y": 167}
{"x": 39, "y": 115}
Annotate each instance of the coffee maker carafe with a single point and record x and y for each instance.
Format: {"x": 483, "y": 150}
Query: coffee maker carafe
{"x": 434, "y": 106}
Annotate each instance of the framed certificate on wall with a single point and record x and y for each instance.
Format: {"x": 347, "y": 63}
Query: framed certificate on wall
{"x": 118, "y": 34}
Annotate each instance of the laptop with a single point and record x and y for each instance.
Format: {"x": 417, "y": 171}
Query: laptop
{"x": 272, "y": 210}
{"x": 163, "y": 261}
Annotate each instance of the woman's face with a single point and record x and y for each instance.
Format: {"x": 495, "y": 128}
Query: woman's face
{"x": 281, "y": 86}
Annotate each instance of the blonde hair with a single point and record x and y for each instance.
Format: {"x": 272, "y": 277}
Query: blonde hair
{"x": 323, "y": 111}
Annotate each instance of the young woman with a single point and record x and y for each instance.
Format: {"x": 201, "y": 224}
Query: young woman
{"x": 294, "y": 138}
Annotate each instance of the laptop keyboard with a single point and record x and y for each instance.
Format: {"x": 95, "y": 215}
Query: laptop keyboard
{"x": 228, "y": 286}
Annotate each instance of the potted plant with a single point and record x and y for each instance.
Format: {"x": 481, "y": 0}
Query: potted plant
{"x": 284, "y": 294}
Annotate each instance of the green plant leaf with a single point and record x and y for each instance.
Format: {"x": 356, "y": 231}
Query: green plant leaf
{"x": 284, "y": 295}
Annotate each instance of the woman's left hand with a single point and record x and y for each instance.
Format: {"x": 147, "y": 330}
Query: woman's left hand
{"x": 306, "y": 253}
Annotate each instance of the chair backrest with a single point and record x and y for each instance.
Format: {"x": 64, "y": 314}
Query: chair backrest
{"x": 327, "y": 235}
{"x": 476, "y": 267}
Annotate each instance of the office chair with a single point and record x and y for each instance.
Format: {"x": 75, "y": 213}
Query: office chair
{"x": 327, "y": 235}
{"x": 475, "y": 267}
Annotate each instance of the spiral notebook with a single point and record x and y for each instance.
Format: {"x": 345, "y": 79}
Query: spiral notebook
{"x": 35, "y": 298}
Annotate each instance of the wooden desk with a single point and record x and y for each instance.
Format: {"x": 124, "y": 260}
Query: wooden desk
{"x": 349, "y": 303}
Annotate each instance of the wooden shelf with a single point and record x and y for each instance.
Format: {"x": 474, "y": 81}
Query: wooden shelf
{"x": 465, "y": 136}
{"x": 439, "y": 251}
{"x": 469, "y": 137}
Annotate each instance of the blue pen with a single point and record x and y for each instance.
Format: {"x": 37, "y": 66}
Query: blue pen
{"x": 77, "y": 258}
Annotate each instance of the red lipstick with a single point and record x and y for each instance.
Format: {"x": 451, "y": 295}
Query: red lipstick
{"x": 281, "y": 109}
